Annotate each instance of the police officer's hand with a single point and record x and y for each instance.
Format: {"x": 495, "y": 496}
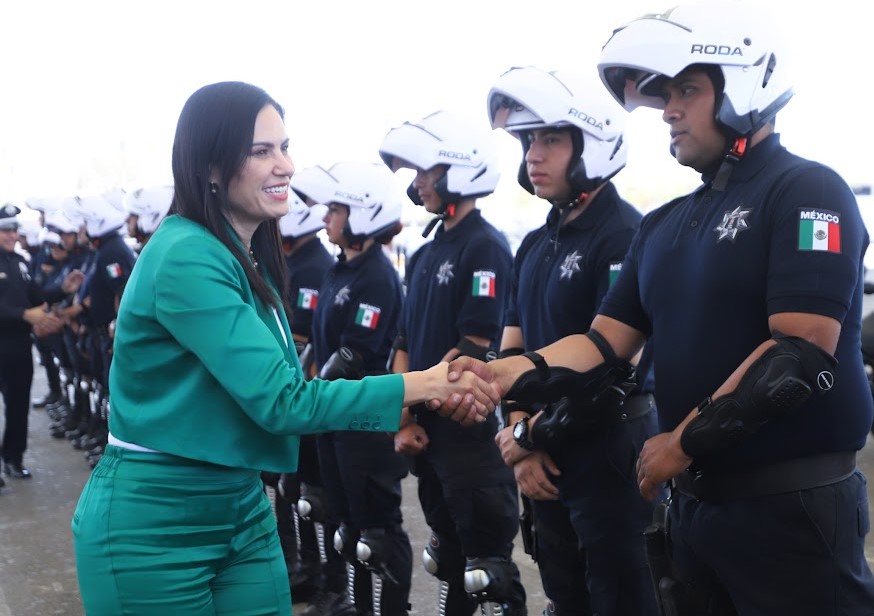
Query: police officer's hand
{"x": 461, "y": 396}
{"x": 531, "y": 475}
{"x": 463, "y": 367}
{"x": 72, "y": 281}
{"x": 510, "y": 450}
{"x": 660, "y": 460}
{"x": 36, "y": 314}
{"x": 411, "y": 440}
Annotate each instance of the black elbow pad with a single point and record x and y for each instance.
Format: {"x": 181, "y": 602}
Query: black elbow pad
{"x": 343, "y": 364}
{"x": 776, "y": 384}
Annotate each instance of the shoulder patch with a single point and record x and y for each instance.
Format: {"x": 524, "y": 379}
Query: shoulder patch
{"x": 367, "y": 316}
{"x": 615, "y": 268}
{"x": 483, "y": 283}
{"x": 819, "y": 230}
{"x": 113, "y": 270}
{"x": 307, "y": 298}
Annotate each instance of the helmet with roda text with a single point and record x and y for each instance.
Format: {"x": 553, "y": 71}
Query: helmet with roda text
{"x": 528, "y": 98}
{"x": 738, "y": 39}
{"x": 372, "y": 196}
{"x": 444, "y": 138}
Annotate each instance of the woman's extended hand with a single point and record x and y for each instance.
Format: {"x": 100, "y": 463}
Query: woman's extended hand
{"x": 463, "y": 396}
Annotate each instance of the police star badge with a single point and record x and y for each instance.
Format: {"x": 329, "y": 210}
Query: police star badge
{"x": 733, "y": 222}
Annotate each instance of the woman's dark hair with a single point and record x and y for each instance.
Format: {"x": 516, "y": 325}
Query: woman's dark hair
{"x": 213, "y": 139}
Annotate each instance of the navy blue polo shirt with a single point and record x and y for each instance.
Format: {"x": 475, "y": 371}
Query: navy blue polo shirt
{"x": 561, "y": 280}
{"x": 307, "y": 267}
{"x": 113, "y": 263}
{"x": 359, "y": 307}
{"x": 18, "y": 292}
{"x": 707, "y": 270}
{"x": 457, "y": 286}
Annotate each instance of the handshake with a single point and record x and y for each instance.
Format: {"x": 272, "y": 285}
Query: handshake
{"x": 465, "y": 390}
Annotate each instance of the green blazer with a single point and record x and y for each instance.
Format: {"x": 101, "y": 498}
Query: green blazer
{"x": 200, "y": 368}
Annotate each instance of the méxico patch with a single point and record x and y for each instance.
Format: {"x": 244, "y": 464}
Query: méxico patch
{"x": 307, "y": 298}
{"x": 819, "y": 230}
{"x": 483, "y": 284}
{"x": 367, "y": 316}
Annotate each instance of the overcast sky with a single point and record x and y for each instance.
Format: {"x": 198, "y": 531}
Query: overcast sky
{"x": 91, "y": 89}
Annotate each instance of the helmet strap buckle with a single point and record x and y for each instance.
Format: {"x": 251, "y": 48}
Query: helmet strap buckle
{"x": 738, "y": 149}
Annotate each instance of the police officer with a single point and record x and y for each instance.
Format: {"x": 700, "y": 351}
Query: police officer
{"x": 457, "y": 285}
{"x": 589, "y": 516}
{"x": 22, "y": 311}
{"x": 109, "y": 271}
{"x": 354, "y": 325}
{"x": 66, "y": 220}
{"x": 752, "y": 285}
{"x": 146, "y": 207}
{"x": 308, "y": 262}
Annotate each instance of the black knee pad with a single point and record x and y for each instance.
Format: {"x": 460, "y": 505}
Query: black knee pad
{"x": 490, "y": 579}
{"x": 311, "y": 504}
{"x": 442, "y": 558}
{"x": 374, "y": 550}
{"x": 346, "y": 542}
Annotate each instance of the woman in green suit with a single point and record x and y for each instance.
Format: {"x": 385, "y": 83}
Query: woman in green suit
{"x": 207, "y": 390}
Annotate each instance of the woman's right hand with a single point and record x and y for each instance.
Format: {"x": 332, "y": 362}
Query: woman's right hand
{"x": 464, "y": 397}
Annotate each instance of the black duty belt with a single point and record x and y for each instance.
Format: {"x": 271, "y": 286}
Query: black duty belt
{"x": 635, "y": 406}
{"x": 779, "y": 478}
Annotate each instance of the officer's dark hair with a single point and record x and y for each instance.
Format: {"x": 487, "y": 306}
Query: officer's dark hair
{"x": 214, "y": 134}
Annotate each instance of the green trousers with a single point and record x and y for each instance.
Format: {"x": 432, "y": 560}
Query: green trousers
{"x": 158, "y": 534}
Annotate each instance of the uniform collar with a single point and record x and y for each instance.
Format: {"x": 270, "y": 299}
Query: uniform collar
{"x": 371, "y": 253}
{"x": 590, "y": 216}
{"x": 756, "y": 158}
{"x": 464, "y": 227}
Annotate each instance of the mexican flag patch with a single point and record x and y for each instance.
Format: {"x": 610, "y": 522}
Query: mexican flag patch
{"x": 615, "y": 268}
{"x": 483, "y": 284}
{"x": 307, "y": 299}
{"x": 819, "y": 230}
{"x": 367, "y": 316}
{"x": 114, "y": 270}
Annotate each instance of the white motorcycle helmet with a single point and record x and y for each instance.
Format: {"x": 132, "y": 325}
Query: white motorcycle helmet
{"x": 313, "y": 185}
{"x": 372, "y": 196}
{"x": 101, "y": 215}
{"x": 301, "y": 219}
{"x": 527, "y": 98}
{"x": 733, "y": 36}
{"x": 150, "y": 205}
{"x": 67, "y": 217}
{"x": 443, "y": 138}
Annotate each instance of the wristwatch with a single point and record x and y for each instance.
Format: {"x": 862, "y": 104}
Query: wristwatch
{"x": 520, "y": 434}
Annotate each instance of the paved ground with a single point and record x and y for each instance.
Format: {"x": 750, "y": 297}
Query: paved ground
{"x": 37, "y": 569}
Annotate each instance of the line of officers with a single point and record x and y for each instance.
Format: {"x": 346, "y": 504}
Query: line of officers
{"x": 465, "y": 294}
{"x": 339, "y": 517}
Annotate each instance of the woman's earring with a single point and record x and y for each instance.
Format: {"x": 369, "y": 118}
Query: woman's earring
{"x": 213, "y": 187}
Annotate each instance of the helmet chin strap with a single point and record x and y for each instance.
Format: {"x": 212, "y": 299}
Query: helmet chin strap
{"x": 564, "y": 210}
{"x": 732, "y": 157}
{"x": 447, "y": 212}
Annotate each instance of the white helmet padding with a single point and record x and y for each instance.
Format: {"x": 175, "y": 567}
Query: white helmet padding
{"x": 301, "y": 220}
{"x": 528, "y": 98}
{"x": 736, "y": 37}
{"x": 150, "y": 206}
{"x": 444, "y": 138}
{"x": 101, "y": 215}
